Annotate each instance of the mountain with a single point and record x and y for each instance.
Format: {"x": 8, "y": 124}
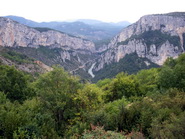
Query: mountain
{"x": 48, "y": 46}
{"x": 153, "y": 37}
{"x": 100, "y": 23}
{"x": 142, "y": 45}
{"x": 88, "y": 29}
{"x": 123, "y": 23}
{"x": 23, "y": 21}
{"x": 90, "y": 21}
{"x": 31, "y": 23}
{"x": 90, "y": 32}
{"x": 22, "y": 62}
{"x": 15, "y": 34}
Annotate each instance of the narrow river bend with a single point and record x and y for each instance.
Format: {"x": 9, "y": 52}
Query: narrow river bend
{"x": 90, "y": 70}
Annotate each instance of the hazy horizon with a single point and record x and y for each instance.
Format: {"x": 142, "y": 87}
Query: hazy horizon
{"x": 70, "y": 20}
{"x": 102, "y": 10}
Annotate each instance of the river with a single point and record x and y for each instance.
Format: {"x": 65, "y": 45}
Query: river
{"x": 90, "y": 70}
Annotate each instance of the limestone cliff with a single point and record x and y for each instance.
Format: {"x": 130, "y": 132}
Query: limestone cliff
{"x": 155, "y": 37}
{"x": 14, "y": 34}
{"x": 46, "y": 46}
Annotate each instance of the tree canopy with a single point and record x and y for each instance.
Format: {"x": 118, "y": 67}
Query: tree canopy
{"x": 148, "y": 104}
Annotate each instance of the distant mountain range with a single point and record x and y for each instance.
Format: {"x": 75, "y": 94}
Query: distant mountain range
{"x": 142, "y": 45}
{"x": 85, "y": 28}
{"x": 44, "y": 45}
{"x": 100, "y": 23}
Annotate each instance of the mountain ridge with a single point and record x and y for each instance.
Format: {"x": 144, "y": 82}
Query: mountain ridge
{"x": 48, "y": 46}
{"x": 15, "y": 34}
{"x": 155, "y": 37}
{"x": 88, "y": 29}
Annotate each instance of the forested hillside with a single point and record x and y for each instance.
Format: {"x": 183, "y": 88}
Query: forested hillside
{"x": 148, "y": 104}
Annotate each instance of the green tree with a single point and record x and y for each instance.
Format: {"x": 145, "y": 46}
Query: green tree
{"x": 147, "y": 80}
{"x": 14, "y": 84}
{"x": 109, "y": 115}
{"x": 56, "y": 90}
{"x": 87, "y": 100}
{"x": 89, "y": 97}
{"x": 100, "y": 133}
{"x": 10, "y": 118}
{"x": 169, "y": 119}
{"x": 172, "y": 74}
{"x": 122, "y": 85}
{"x": 103, "y": 83}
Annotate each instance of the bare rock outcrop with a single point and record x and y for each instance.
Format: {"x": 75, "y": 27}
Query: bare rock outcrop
{"x": 155, "y": 37}
{"x": 13, "y": 34}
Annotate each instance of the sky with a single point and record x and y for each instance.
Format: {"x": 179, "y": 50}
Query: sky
{"x": 104, "y": 10}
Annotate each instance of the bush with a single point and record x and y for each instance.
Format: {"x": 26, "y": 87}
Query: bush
{"x": 100, "y": 133}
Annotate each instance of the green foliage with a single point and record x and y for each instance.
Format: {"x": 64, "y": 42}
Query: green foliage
{"x": 54, "y": 56}
{"x": 25, "y": 121}
{"x": 103, "y": 83}
{"x": 167, "y": 78}
{"x": 89, "y": 98}
{"x": 108, "y": 115}
{"x": 183, "y": 39}
{"x": 100, "y": 133}
{"x": 172, "y": 128}
{"x": 101, "y": 43}
{"x": 155, "y": 37}
{"x": 14, "y": 84}
{"x": 14, "y": 116}
{"x": 168, "y": 122}
{"x": 147, "y": 80}
{"x": 172, "y": 74}
{"x": 122, "y": 85}
{"x": 130, "y": 64}
{"x": 76, "y": 130}
{"x": 148, "y": 104}
{"x": 3, "y": 98}
{"x": 56, "y": 90}
{"x": 23, "y": 134}
{"x": 43, "y": 29}
{"x": 17, "y": 57}
{"x": 10, "y": 119}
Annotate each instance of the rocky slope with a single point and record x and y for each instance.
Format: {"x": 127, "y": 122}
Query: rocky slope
{"x": 88, "y": 29}
{"x": 48, "y": 46}
{"x": 15, "y": 34}
{"x": 22, "y": 62}
{"x": 155, "y": 37}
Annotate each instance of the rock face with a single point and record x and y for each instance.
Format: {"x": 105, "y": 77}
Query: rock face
{"x": 36, "y": 67}
{"x": 46, "y": 46}
{"x": 155, "y": 37}
{"x": 88, "y": 29}
{"x": 14, "y": 34}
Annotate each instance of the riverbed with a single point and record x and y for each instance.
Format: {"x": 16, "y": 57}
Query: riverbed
{"x": 90, "y": 70}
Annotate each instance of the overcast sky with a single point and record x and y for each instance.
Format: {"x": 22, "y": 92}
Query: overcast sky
{"x": 104, "y": 10}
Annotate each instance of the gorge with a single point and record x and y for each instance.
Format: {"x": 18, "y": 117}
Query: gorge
{"x": 151, "y": 40}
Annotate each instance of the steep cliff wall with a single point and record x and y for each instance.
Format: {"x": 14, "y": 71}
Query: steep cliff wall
{"x": 155, "y": 37}
{"x": 165, "y": 22}
{"x": 48, "y": 46}
{"x": 15, "y": 34}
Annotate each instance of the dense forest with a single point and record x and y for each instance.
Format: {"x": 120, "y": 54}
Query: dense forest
{"x": 148, "y": 104}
